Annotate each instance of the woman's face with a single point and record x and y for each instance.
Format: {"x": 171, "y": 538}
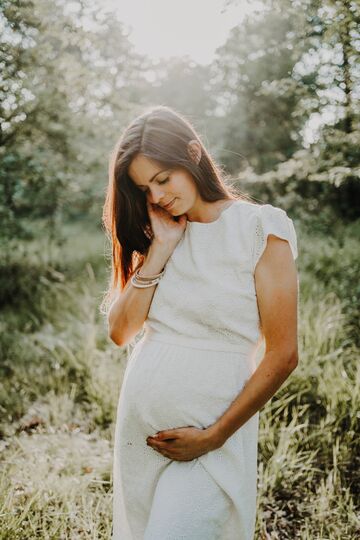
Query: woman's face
{"x": 163, "y": 186}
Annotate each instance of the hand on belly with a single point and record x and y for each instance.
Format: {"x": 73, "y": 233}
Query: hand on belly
{"x": 182, "y": 444}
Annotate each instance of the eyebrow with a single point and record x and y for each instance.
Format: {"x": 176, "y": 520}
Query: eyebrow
{"x": 152, "y": 178}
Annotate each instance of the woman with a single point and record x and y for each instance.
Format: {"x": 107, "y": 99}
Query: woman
{"x": 208, "y": 274}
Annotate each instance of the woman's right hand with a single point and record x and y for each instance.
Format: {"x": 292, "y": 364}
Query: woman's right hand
{"x": 166, "y": 230}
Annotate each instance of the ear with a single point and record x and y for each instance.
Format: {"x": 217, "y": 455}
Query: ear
{"x": 194, "y": 149}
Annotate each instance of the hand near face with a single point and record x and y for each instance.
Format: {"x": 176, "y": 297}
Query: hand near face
{"x": 165, "y": 228}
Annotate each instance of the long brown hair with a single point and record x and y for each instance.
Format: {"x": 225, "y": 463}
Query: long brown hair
{"x": 162, "y": 134}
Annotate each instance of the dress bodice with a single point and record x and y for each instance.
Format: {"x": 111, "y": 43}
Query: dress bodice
{"x": 207, "y": 292}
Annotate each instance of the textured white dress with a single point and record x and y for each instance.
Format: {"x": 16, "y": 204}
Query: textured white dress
{"x": 197, "y": 352}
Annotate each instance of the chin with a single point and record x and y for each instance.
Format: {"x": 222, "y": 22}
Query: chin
{"x": 175, "y": 211}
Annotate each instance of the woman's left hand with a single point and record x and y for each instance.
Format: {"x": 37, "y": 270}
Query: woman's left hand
{"x": 184, "y": 443}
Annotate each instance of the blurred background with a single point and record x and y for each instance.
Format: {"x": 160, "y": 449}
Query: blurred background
{"x": 272, "y": 87}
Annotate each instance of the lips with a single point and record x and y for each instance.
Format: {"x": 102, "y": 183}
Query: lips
{"x": 169, "y": 204}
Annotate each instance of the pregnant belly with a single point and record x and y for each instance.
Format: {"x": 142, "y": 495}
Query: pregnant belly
{"x": 168, "y": 386}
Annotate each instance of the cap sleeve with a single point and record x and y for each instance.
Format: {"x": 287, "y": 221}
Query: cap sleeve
{"x": 272, "y": 220}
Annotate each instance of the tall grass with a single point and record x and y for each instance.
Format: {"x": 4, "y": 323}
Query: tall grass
{"x": 61, "y": 377}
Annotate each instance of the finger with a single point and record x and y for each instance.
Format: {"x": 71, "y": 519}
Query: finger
{"x": 154, "y": 445}
{"x": 162, "y": 445}
{"x": 168, "y": 434}
{"x": 159, "y": 450}
{"x": 163, "y": 453}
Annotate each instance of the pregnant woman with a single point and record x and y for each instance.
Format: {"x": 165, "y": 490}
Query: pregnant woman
{"x": 208, "y": 275}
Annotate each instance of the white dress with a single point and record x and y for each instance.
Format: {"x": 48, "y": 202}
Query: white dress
{"x": 197, "y": 352}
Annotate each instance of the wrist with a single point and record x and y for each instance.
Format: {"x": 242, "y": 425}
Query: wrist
{"x": 155, "y": 260}
{"x": 214, "y": 436}
{"x": 161, "y": 248}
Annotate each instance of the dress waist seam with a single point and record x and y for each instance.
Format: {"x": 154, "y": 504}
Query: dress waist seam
{"x": 203, "y": 344}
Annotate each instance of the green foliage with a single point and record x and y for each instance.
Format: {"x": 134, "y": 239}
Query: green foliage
{"x": 60, "y": 380}
{"x": 255, "y": 68}
{"x": 70, "y": 81}
{"x": 28, "y": 191}
{"x": 279, "y": 68}
{"x": 319, "y": 185}
{"x": 58, "y": 118}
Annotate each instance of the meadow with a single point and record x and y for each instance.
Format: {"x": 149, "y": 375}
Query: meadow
{"x": 61, "y": 378}
{"x": 276, "y": 107}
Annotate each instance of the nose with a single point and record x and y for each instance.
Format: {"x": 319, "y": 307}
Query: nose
{"x": 156, "y": 194}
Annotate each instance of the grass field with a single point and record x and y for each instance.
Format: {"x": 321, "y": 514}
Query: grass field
{"x": 61, "y": 377}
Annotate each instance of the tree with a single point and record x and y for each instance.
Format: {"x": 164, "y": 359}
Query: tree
{"x": 259, "y": 92}
{"x": 66, "y": 83}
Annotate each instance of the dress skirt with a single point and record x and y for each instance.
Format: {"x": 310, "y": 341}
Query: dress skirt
{"x": 174, "y": 381}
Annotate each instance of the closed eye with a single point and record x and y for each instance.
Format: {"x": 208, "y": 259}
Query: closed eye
{"x": 162, "y": 182}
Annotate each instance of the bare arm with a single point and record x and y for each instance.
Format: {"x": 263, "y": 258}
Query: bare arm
{"x": 130, "y": 309}
{"x": 277, "y": 291}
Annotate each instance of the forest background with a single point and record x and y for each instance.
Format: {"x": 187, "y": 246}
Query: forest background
{"x": 278, "y": 107}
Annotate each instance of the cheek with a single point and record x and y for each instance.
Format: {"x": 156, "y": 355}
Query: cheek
{"x": 183, "y": 186}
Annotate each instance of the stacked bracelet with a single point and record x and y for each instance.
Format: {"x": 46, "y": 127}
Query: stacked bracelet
{"x": 142, "y": 282}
